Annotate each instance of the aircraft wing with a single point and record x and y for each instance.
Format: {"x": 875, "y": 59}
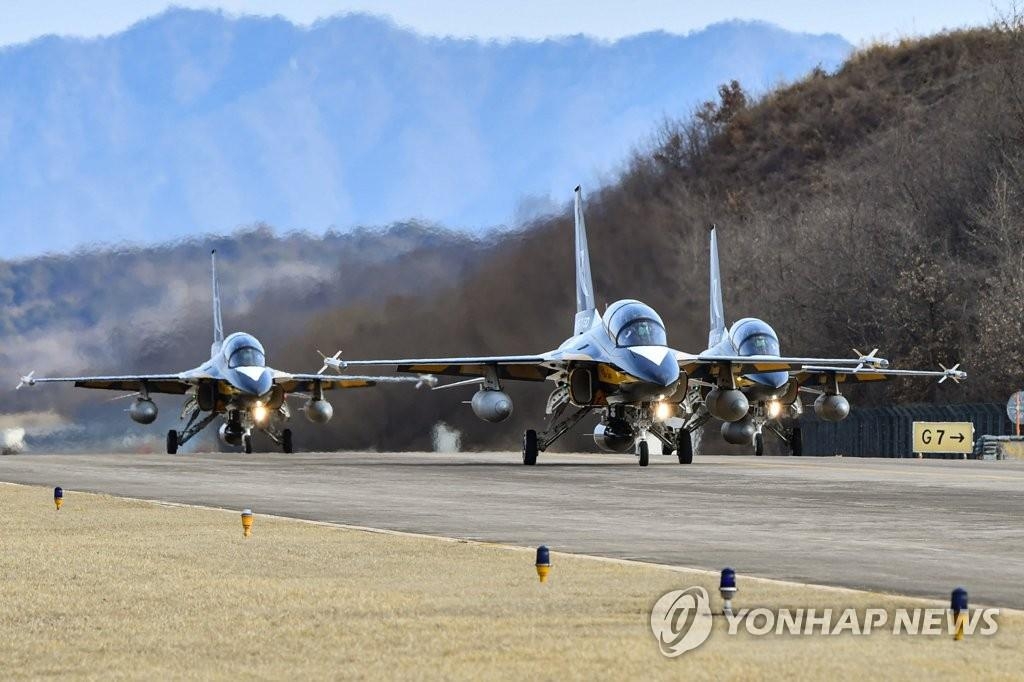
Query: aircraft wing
{"x": 521, "y": 367}
{"x": 306, "y": 383}
{"x": 154, "y": 383}
{"x": 811, "y": 376}
{"x": 705, "y": 366}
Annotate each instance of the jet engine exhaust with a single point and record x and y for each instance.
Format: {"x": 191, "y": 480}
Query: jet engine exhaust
{"x": 729, "y": 405}
{"x": 491, "y": 405}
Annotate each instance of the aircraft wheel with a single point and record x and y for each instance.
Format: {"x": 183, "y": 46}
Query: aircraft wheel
{"x": 685, "y": 442}
{"x": 796, "y": 442}
{"x": 172, "y": 442}
{"x": 758, "y": 444}
{"x": 286, "y": 441}
{"x": 247, "y": 443}
{"x": 644, "y": 450}
{"x": 530, "y": 447}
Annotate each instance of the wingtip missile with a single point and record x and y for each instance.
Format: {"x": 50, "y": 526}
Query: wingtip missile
{"x": 870, "y": 360}
{"x": 954, "y": 373}
{"x": 27, "y": 380}
{"x": 332, "y": 361}
{"x": 426, "y": 380}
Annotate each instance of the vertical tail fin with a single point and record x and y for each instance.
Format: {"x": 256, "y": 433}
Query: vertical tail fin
{"x": 717, "y": 330}
{"x": 218, "y": 323}
{"x": 586, "y": 308}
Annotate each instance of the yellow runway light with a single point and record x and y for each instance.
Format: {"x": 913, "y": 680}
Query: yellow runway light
{"x": 247, "y": 522}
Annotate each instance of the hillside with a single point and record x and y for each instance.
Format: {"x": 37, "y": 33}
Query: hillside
{"x": 879, "y": 205}
{"x": 194, "y": 122}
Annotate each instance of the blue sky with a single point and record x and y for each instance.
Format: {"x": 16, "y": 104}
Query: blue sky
{"x": 858, "y": 22}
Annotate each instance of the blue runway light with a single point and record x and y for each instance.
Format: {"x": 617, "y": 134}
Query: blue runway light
{"x": 727, "y": 589}
{"x": 958, "y": 600}
{"x": 958, "y": 603}
{"x": 58, "y": 497}
{"x": 543, "y": 562}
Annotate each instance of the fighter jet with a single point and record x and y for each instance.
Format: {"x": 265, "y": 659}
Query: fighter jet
{"x": 235, "y": 384}
{"x": 747, "y": 402}
{"x": 617, "y": 364}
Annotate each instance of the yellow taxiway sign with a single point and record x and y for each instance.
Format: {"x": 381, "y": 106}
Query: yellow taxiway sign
{"x": 943, "y": 437}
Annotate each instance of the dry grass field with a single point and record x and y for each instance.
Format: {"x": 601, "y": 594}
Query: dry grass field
{"x": 112, "y": 588}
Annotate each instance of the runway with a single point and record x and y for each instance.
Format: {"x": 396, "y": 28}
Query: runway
{"x": 916, "y": 527}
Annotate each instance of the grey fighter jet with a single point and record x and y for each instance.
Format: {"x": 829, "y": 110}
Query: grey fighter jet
{"x": 617, "y": 364}
{"x": 235, "y": 384}
{"x": 749, "y": 402}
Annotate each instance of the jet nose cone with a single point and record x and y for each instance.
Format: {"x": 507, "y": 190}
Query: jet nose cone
{"x": 253, "y": 380}
{"x": 655, "y": 365}
{"x": 668, "y": 372}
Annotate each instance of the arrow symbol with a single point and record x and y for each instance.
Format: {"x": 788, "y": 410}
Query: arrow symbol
{"x": 959, "y": 438}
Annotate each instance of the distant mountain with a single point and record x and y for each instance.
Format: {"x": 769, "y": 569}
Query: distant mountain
{"x": 194, "y": 122}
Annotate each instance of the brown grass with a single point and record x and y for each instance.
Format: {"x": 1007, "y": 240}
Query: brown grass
{"x": 120, "y": 588}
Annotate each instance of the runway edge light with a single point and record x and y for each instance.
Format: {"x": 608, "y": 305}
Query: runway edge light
{"x": 727, "y": 588}
{"x": 543, "y": 563}
{"x": 247, "y": 522}
{"x": 58, "y": 497}
{"x": 958, "y": 603}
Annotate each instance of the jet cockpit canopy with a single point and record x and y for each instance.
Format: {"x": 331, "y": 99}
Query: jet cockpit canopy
{"x": 632, "y": 323}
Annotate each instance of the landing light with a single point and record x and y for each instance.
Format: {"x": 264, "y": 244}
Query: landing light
{"x": 259, "y": 412}
{"x": 662, "y": 411}
{"x": 774, "y": 408}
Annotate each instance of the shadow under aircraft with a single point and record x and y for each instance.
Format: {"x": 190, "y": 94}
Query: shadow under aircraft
{"x": 750, "y": 402}
{"x": 617, "y": 365}
{"x": 235, "y": 384}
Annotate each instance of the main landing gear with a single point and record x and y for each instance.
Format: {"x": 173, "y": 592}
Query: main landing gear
{"x": 530, "y": 448}
{"x": 793, "y": 437}
{"x": 643, "y": 451}
{"x": 684, "y": 446}
{"x": 534, "y": 443}
{"x": 284, "y": 439}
